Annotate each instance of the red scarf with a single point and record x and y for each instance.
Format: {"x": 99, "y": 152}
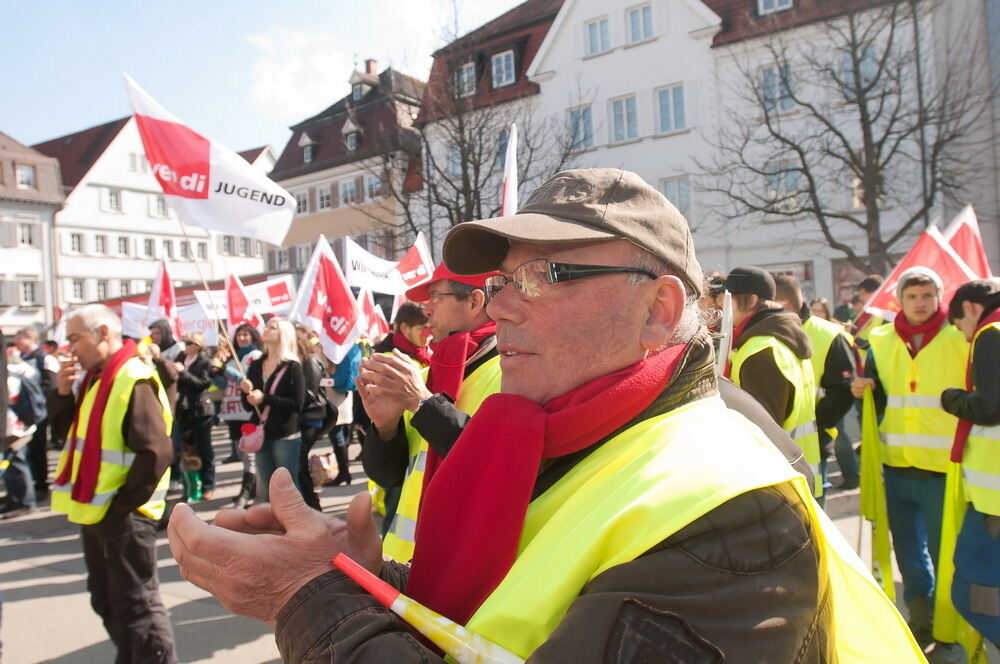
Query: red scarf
{"x": 907, "y": 331}
{"x": 450, "y": 355}
{"x": 418, "y": 353}
{"x": 482, "y": 489}
{"x": 90, "y": 463}
{"x": 965, "y": 426}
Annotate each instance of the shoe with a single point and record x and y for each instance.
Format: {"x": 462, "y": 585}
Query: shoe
{"x": 232, "y": 458}
{"x": 343, "y": 478}
{"x": 15, "y": 512}
{"x": 946, "y": 653}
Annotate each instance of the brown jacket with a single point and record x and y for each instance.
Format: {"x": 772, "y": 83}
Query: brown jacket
{"x": 739, "y": 584}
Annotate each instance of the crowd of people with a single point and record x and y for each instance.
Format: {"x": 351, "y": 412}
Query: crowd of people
{"x": 581, "y": 467}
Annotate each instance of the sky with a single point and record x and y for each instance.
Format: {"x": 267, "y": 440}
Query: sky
{"x": 239, "y": 73}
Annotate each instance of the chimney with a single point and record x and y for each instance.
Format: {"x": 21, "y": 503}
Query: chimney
{"x": 370, "y": 66}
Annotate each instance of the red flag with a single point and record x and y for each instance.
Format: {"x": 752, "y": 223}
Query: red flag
{"x": 508, "y": 189}
{"x": 416, "y": 265}
{"x": 238, "y": 307}
{"x": 963, "y": 236}
{"x": 930, "y": 251}
{"x": 375, "y": 324}
{"x": 325, "y": 304}
{"x": 163, "y": 302}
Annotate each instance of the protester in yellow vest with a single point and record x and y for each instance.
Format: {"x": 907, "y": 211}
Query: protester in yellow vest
{"x": 770, "y": 360}
{"x": 975, "y": 591}
{"x": 112, "y": 479}
{"x": 910, "y": 362}
{"x": 415, "y": 424}
{"x": 864, "y": 323}
{"x": 606, "y": 507}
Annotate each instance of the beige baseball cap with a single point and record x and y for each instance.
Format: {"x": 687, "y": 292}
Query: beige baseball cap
{"x": 587, "y": 204}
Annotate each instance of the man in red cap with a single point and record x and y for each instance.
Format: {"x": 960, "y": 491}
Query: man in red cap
{"x": 416, "y": 422}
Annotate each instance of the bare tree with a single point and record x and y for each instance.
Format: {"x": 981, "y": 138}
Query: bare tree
{"x": 870, "y": 116}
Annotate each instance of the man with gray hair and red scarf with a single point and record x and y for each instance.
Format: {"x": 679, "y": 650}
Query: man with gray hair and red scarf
{"x": 606, "y": 506}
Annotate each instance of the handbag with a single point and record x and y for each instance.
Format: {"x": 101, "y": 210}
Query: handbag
{"x": 253, "y": 434}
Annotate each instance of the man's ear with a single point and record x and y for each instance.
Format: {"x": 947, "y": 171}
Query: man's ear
{"x": 666, "y": 305}
{"x": 477, "y": 301}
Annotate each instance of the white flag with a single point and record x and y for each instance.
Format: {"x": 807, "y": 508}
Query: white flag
{"x": 508, "y": 190}
{"x": 206, "y": 184}
{"x": 366, "y": 270}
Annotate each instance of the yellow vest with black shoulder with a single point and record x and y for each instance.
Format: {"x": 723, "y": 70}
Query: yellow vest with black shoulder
{"x": 801, "y": 422}
{"x": 915, "y": 430}
{"x": 648, "y": 483}
{"x": 398, "y": 542}
{"x": 981, "y": 460}
{"x": 821, "y": 335}
{"x": 116, "y": 457}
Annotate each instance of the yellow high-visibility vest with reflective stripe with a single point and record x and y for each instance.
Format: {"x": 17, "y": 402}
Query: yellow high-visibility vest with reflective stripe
{"x": 801, "y": 423}
{"x": 821, "y": 334}
{"x": 981, "y": 460}
{"x": 915, "y": 430}
{"x": 648, "y": 483}
{"x": 398, "y": 542}
{"x": 116, "y": 457}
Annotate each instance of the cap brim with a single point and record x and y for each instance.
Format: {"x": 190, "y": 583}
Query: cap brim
{"x": 475, "y": 247}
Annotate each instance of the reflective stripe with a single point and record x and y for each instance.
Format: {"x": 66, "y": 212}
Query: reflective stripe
{"x": 421, "y": 463}
{"x": 982, "y": 480}
{"x": 803, "y": 430}
{"x": 158, "y": 495}
{"x": 62, "y": 488}
{"x": 404, "y": 528}
{"x": 914, "y": 401}
{"x": 989, "y": 433}
{"x": 918, "y": 440}
{"x": 117, "y": 457}
{"x": 99, "y": 499}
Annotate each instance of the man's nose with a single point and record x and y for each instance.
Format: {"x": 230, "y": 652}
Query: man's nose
{"x": 504, "y": 304}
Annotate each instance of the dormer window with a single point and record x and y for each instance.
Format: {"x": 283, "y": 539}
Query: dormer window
{"x": 357, "y": 91}
{"x": 465, "y": 80}
{"x": 503, "y": 69}
{"x": 308, "y": 146}
{"x": 351, "y": 141}
{"x": 307, "y": 154}
{"x": 770, "y": 6}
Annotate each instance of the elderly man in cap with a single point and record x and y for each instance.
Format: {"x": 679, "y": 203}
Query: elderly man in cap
{"x": 414, "y": 424}
{"x": 606, "y": 506}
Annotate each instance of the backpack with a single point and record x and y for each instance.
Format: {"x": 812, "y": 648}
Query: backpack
{"x": 30, "y": 403}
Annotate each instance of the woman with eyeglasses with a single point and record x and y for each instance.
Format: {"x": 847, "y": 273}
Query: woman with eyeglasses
{"x": 194, "y": 414}
{"x": 275, "y": 385}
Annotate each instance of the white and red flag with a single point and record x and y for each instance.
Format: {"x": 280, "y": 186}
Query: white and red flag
{"x": 963, "y": 236}
{"x": 366, "y": 270}
{"x": 375, "y": 324}
{"x": 508, "y": 190}
{"x": 163, "y": 302}
{"x": 930, "y": 251}
{"x": 325, "y": 304}
{"x": 206, "y": 184}
{"x": 239, "y": 309}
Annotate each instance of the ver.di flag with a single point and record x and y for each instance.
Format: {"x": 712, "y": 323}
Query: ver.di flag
{"x": 963, "y": 236}
{"x": 163, "y": 302}
{"x": 366, "y": 270}
{"x": 375, "y": 324}
{"x": 325, "y": 304}
{"x": 239, "y": 310}
{"x": 206, "y": 184}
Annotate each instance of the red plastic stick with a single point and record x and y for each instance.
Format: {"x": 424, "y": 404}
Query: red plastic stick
{"x": 379, "y": 589}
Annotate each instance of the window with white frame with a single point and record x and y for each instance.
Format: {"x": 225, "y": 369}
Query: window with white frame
{"x": 113, "y": 200}
{"x": 503, "y": 69}
{"x": 640, "y": 23}
{"x": 137, "y": 162}
{"x": 168, "y": 249}
{"x": 782, "y": 181}
{"x": 348, "y": 192}
{"x": 76, "y": 243}
{"x": 281, "y": 259}
{"x": 581, "y": 128}
{"x": 24, "y": 176}
{"x": 161, "y": 206}
{"x": 258, "y": 247}
{"x": 770, "y": 6}
{"x": 670, "y": 109}
{"x": 324, "y": 198}
{"x": 202, "y": 251}
{"x": 228, "y": 245}
{"x": 678, "y": 191}
{"x": 124, "y": 287}
{"x": 28, "y": 293}
{"x": 102, "y": 289}
{"x": 307, "y": 154}
{"x": 624, "y": 121}
{"x": 373, "y": 186}
{"x": 597, "y": 36}
{"x": 26, "y": 235}
{"x": 101, "y": 244}
{"x": 351, "y": 141}
{"x": 301, "y": 202}
{"x": 503, "y": 137}
{"x": 302, "y": 255}
{"x": 867, "y": 66}
{"x": 185, "y": 250}
{"x": 123, "y": 246}
{"x": 148, "y": 247}
{"x": 357, "y": 91}
{"x": 245, "y": 246}
{"x": 454, "y": 161}
{"x": 465, "y": 80}
{"x": 78, "y": 290}
{"x": 776, "y": 88}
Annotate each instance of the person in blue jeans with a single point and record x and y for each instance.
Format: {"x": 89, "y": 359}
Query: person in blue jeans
{"x": 275, "y": 384}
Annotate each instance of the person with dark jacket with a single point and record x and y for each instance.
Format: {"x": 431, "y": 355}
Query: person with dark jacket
{"x": 195, "y": 413}
{"x": 276, "y": 385}
{"x": 313, "y": 411}
{"x": 27, "y": 342}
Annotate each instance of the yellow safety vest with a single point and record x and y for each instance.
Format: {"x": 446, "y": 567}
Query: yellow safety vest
{"x": 821, "y": 334}
{"x": 116, "y": 456}
{"x": 398, "y": 542}
{"x": 915, "y": 430}
{"x": 801, "y": 423}
{"x": 981, "y": 460}
{"x": 648, "y": 483}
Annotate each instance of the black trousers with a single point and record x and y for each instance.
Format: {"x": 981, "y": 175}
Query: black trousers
{"x": 38, "y": 458}
{"x": 309, "y": 436}
{"x": 125, "y": 589}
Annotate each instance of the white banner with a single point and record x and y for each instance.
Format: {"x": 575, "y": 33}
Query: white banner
{"x": 366, "y": 270}
{"x": 193, "y": 319}
{"x": 273, "y": 296}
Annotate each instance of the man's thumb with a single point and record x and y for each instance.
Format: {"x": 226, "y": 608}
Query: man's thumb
{"x": 287, "y": 504}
